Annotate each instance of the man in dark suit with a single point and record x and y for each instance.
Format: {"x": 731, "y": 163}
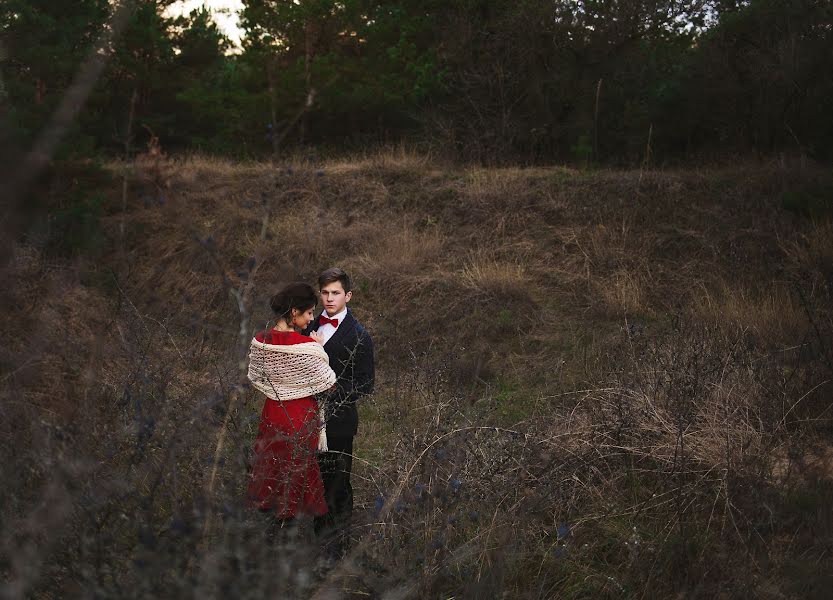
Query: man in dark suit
{"x": 350, "y": 350}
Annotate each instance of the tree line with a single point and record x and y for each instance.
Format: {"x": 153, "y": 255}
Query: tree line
{"x": 487, "y": 80}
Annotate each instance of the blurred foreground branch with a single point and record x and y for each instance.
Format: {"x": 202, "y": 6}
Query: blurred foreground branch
{"x": 21, "y": 176}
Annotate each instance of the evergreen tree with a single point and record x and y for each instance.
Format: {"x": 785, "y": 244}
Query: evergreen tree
{"x": 334, "y": 70}
{"x": 44, "y": 44}
{"x": 140, "y": 86}
{"x": 208, "y": 99}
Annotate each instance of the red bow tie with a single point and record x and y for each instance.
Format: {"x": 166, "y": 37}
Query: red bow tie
{"x": 322, "y": 320}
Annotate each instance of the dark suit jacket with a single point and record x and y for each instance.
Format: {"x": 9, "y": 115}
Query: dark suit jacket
{"x": 351, "y": 357}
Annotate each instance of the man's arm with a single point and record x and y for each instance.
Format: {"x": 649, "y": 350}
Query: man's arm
{"x": 364, "y": 373}
{"x": 362, "y": 382}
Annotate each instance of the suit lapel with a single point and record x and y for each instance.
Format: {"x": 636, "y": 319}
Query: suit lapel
{"x": 340, "y": 332}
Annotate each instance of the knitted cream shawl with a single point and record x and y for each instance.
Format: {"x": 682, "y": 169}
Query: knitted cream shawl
{"x": 287, "y": 372}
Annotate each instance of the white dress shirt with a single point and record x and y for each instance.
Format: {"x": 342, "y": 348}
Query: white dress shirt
{"x": 327, "y": 329}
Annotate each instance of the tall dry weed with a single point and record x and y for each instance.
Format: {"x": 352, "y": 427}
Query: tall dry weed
{"x": 774, "y": 314}
{"x": 483, "y": 274}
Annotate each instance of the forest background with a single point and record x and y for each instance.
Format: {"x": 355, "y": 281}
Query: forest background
{"x": 492, "y": 81}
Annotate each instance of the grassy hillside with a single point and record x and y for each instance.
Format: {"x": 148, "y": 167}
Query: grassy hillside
{"x": 590, "y": 383}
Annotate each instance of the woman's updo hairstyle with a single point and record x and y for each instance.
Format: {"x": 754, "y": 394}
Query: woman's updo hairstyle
{"x": 299, "y": 295}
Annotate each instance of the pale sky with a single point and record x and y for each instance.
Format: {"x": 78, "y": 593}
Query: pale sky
{"x": 225, "y": 14}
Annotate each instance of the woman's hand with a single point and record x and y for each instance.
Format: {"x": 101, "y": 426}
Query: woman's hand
{"x": 317, "y": 336}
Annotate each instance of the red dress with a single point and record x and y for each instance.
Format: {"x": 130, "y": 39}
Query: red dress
{"x": 285, "y": 475}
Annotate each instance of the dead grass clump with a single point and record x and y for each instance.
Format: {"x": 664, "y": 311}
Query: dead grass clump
{"x": 501, "y": 205}
{"x": 494, "y": 278}
{"x": 610, "y": 269}
{"x": 508, "y": 184}
{"x": 402, "y": 250}
{"x": 772, "y": 315}
{"x": 483, "y": 184}
{"x": 810, "y": 254}
{"x": 623, "y": 293}
{"x": 357, "y": 195}
{"x": 695, "y": 399}
{"x": 289, "y": 232}
{"x": 393, "y": 158}
{"x": 201, "y": 168}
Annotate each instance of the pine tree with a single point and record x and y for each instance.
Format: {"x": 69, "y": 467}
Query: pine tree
{"x": 44, "y": 44}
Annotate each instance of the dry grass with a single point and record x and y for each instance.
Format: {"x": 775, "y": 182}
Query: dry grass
{"x": 623, "y": 293}
{"x": 398, "y": 251}
{"x": 483, "y": 274}
{"x": 638, "y": 441}
{"x": 774, "y": 314}
{"x": 396, "y": 158}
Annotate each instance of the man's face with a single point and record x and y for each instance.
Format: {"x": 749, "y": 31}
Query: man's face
{"x": 334, "y": 297}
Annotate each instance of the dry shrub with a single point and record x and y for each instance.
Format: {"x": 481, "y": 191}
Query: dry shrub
{"x": 153, "y": 167}
{"x": 358, "y": 195}
{"x": 663, "y": 466}
{"x": 810, "y": 255}
{"x": 697, "y": 398}
{"x": 820, "y": 243}
{"x": 811, "y": 467}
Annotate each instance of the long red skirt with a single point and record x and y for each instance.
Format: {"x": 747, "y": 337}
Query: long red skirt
{"x": 285, "y": 475}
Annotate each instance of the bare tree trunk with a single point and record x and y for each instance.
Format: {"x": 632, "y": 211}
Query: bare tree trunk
{"x": 128, "y": 140}
{"x": 596, "y": 122}
{"x": 23, "y": 174}
{"x": 309, "y": 49}
{"x": 273, "y": 100}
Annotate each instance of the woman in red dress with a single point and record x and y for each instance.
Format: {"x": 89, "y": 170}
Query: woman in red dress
{"x": 285, "y": 477}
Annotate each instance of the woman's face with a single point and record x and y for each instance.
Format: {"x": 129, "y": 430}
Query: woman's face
{"x": 300, "y": 319}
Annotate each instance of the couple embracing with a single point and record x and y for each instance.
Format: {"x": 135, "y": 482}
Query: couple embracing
{"x": 312, "y": 372}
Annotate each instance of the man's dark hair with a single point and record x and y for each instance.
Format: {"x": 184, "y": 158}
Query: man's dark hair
{"x": 298, "y": 295}
{"x": 335, "y": 274}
